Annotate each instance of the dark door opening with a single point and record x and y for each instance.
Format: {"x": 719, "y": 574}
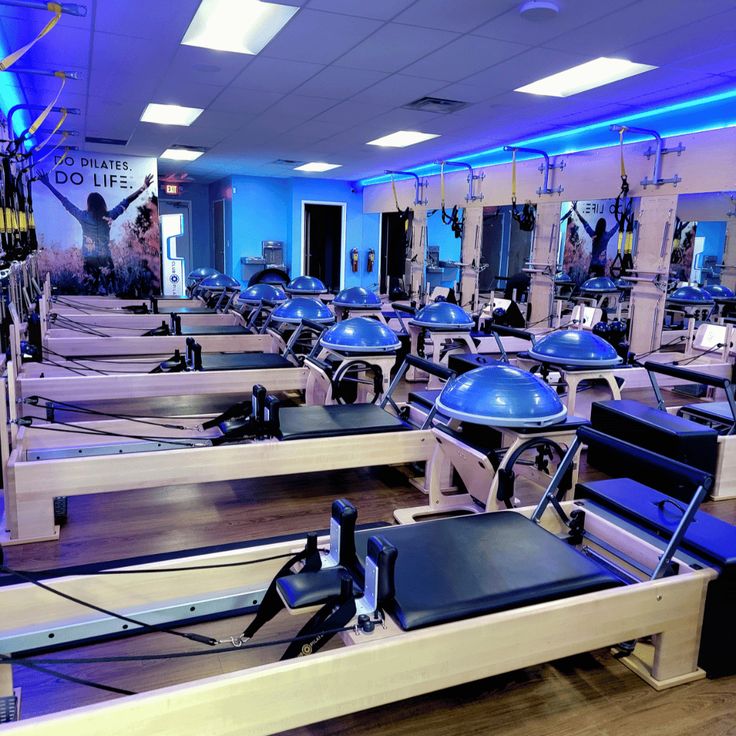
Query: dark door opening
{"x": 323, "y": 243}
{"x": 393, "y": 251}
{"x": 218, "y": 221}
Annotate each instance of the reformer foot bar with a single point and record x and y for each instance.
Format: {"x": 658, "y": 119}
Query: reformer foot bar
{"x": 417, "y": 608}
{"x": 46, "y": 464}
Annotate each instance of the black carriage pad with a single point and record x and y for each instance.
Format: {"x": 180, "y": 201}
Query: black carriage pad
{"x": 708, "y": 537}
{"x": 467, "y": 566}
{"x": 424, "y": 398}
{"x": 568, "y": 424}
{"x": 214, "y": 330}
{"x": 652, "y": 429}
{"x": 243, "y": 361}
{"x": 186, "y": 310}
{"x": 464, "y": 362}
{"x": 718, "y": 412}
{"x": 312, "y": 422}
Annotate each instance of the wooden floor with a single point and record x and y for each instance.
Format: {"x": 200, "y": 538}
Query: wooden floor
{"x": 584, "y": 695}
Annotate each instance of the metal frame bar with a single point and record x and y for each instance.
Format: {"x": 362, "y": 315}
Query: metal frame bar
{"x": 545, "y": 168}
{"x": 419, "y": 185}
{"x": 659, "y": 151}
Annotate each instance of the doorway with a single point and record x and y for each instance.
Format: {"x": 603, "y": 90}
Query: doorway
{"x": 323, "y": 238}
{"x": 176, "y": 238}
{"x": 218, "y": 230}
{"x": 393, "y": 250}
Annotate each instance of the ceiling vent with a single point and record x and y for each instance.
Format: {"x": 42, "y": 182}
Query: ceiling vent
{"x": 287, "y": 162}
{"x": 106, "y": 141}
{"x": 435, "y": 105}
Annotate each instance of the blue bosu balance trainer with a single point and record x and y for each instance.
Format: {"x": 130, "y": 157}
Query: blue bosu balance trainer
{"x": 576, "y": 348}
{"x": 356, "y": 298}
{"x": 598, "y": 286}
{"x": 262, "y": 293}
{"x": 219, "y": 282}
{"x": 718, "y": 292}
{"x": 501, "y": 395}
{"x": 690, "y": 296}
{"x": 305, "y": 286}
{"x": 198, "y": 274}
{"x": 442, "y": 316}
{"x": 360, "y": 335}
{"x": 299, "y": 308}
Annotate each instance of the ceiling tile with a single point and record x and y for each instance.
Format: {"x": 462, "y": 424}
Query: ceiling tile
{"x": 381, "y": 9}
{"x": 463, "y": 57}
{"x": 150, "y": 20}
{"x": 395, "y": 46}
{"x": 319, "y": 37}
{"x": 340, "y": 83}
{"x": 461, "y": 16}
{"x": 397, "y": 90}
{"x": 235, "y": 101}
{"x": 275, "y": 75}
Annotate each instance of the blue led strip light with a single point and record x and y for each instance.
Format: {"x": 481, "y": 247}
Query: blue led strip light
{"x": 681, "y": 118}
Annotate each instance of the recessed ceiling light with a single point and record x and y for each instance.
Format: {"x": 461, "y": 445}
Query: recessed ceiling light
{"x": 317, "y": 166}
{"x": 181, "y": 154}
{"x": 586, "y": 76}
{"x": 170, "y": 114}
{"x": 402, "y": 138}
{"x": 240, "y": 26}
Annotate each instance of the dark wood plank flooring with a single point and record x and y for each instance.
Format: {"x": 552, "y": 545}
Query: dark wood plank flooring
{"x": 588, "y": 695}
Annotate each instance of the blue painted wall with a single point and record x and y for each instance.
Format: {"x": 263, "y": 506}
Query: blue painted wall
{"x": 266, "y": 208}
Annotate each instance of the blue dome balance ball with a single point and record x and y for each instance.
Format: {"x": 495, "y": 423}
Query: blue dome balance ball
{"x": 262, "y": 292}
{"x": 357, "y": 297}
{"x": 360, "y": 335}
{"x": 305, "y": 285}
{"x": 442, "y": 316}
{"x": 501, "y": 395}
{"x": 599, "y": 285}
{"x": 686, "y": 296}
{"x": 298, "y": 308}
{"x": 219, "y": 281}
{"x": 718, "y": 292}
{"x": 578, "y": 348}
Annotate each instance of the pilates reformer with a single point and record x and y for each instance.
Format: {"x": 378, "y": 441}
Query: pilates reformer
{"x": 498, "y": 416}
{"x": 417, "y": 608}
{"x": 50, "y": 460}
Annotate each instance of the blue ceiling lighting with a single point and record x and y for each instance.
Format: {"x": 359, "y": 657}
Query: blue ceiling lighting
{"x": 698, "y": 115}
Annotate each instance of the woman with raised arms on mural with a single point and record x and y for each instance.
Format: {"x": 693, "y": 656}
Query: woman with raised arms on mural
{"x": 599, "y": 242}
{"x": 96, "y": 222}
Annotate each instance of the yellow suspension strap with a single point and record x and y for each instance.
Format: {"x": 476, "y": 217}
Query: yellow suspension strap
{"x": 623, "y": 262}
{"x": 66, "y": 150}
{"x": 64, "y": 113}
{"x": 36, "y": 124}
{"x": 527, "y": 218}
{"x": 10, "y": 59}
{"x": 404, "y": 213}
{"x": 513, "y": 179}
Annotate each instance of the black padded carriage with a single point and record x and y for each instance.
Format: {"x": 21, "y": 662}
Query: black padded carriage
{"x": 712, "y": 412}
{"x": 313, "y": 422}
{"x": 456, "y": 568}
{"x": 214, "y": 330}
{"x": 243, "y": 361}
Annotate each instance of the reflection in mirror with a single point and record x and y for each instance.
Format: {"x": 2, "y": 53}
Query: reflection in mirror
{"x": 506, "y": 250}
{"x": 395, "y": 247}
{"x": 444, "y": 246}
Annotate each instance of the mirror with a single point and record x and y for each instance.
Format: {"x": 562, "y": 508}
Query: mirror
{"x": 444, "y": 247}
{"x": 506, "y": 250}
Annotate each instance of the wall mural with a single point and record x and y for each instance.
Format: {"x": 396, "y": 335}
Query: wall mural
{"x": 98, "y": 224}
{"x": 589, "y": 237}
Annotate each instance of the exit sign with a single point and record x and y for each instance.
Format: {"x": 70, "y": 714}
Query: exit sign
{"x": 172, "y": 189}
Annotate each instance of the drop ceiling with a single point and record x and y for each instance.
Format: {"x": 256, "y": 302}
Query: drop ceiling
{"x": 341, "y": 71}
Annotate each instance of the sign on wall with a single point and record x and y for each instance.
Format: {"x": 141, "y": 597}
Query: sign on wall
{"x": 98, "y": 225}
{"x": 172, "y": 228}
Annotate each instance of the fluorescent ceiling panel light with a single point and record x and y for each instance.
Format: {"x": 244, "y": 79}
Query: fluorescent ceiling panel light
{"x": 402, "y": 138}
{"x": 586, "y": 76}
{"x": 170, "y": 114}
{"x": 240, "y": 26}
{"x": 317, "y": 166}
{"x": 181, "y": 154}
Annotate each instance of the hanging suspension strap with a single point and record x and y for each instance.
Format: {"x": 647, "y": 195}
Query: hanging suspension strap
{"x": 404, "y": 214}
{"x": 452, "y": 219}
{"x": 64, "y": 114}
{"x": 10, "y": 59}
{"x": 526, "y": 218}
{"x": 622, "y": 264}
{"x": 36, "y": 124}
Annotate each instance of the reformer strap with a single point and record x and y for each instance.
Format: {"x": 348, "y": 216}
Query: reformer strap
{"x": 10, "y": 59}
{"x": 36, "y": 124}
{"x": 513, "y": 178}
{"x": 335, "y": 614}
{"x": 60, "y": 122}
{"x": 272, "y": 602}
